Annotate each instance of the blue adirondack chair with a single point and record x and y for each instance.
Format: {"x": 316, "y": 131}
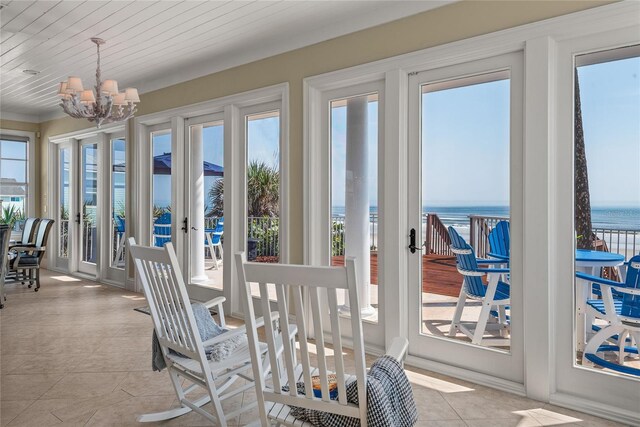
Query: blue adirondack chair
{"x": 120, "y": 236}
{"x": 623, "y": 316}
{"x": 162, "y": 230}
{"x": 499, "y": 241}
{"x": 213, "y": 241}
{"x": 495, "y": 294}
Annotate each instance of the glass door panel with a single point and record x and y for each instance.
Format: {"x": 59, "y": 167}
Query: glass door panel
{"x": 206, "y": 203}
{"x": 118, "y": 200}
{"x": 607, "y": 210}
{"x": 262, "y": 130}
{"x": 354, "y": 193}
{"x": 64, "y": 198}
{"x": 464, "y": 305}
{"x": 87, "y": 218}
{"x": 161, "y": 164}
{"x": 263, "y": 186}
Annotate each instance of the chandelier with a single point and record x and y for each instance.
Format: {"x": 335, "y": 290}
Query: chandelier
{"x": 102, "y": 106}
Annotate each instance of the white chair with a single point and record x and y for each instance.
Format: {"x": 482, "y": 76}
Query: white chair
{"x": 291, "y": 282}
{"x": 176, "y": 328}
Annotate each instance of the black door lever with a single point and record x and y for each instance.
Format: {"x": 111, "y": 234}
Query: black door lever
{"x": 412, "y": 242}
{"x": 185, "y": 225}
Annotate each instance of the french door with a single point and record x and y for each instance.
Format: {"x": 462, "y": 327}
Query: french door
{"x": 90, "y": 199}
{"x": 465, "y": 144}
{"x": 204, "y": 200}
{"x": 87, "y": 215}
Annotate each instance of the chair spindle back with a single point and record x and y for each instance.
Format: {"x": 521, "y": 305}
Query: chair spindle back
{"x": 292, "y": 283}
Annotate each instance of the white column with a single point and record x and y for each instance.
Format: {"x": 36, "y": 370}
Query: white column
{"x": 357, "y": 199}
{"x": 196, "y": 214}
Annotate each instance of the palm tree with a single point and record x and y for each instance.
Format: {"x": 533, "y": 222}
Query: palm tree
{"x": 263, "y": 191}
{"x": 581, "y": 182}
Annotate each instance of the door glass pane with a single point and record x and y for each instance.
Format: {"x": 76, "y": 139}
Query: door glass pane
{"x": 354, "y": 192}
{"x": 263, "y": 190}
{"x": 607, "y": 209}
{"x": 89, "y": 199}
{"x": 263, "y": 187}
{"x": 465, "y": 203}
{"x": 207, "y": 204}
{"x": 63, "y": 214}
{"x": 161, "y": 187}
{"x": 118, "y": 192}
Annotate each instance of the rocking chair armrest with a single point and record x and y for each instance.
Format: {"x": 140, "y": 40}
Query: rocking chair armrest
{"x": 398, "y": 348}
{"x": 237, "y": 331}
{"x": 214, "y": 302}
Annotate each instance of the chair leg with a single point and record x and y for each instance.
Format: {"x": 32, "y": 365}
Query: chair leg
{"x": 458, "y": 313}
{"x": 482, "y": 323}
{"x": 37, "y": 273}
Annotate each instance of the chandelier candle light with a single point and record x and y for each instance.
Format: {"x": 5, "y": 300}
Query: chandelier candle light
{"x": 105, "y": 105}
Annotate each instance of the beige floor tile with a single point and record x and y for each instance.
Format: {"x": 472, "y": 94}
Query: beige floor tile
{"x": 21, "y": 387}
{"x": 8, "y": 363}
{"x": 85, "y": 385}
{"x": 125, "y": 413}
{"x": 9, "y": 409}
{"x": 96, "y": 369}
{"x": 147, "y": 384}
{"x": 106, "y": 362}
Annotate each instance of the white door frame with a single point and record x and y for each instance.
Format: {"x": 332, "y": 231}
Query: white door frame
{"x": 91, "y": 269}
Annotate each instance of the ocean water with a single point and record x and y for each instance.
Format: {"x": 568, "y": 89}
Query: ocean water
{"x": 615, "y": 218}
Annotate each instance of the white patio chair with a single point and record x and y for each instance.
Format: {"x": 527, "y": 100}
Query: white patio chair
{"x": 177, "y": 332}
{"x": 291, "y": 282}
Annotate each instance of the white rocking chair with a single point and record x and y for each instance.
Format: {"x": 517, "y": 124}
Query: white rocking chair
{"x": 291, "y": 282}
{"x": 176, "y": 329}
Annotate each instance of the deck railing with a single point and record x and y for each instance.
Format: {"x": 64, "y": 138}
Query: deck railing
{"x": 479, "y": 228}
{"x": 437, "y": 240}
{"x": 338, "y": 236}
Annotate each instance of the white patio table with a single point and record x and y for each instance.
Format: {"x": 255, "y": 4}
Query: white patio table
{"x": 589, "y": 262}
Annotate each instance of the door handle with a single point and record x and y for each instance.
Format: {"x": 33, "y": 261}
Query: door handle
{"x": 412, "y": 242}
{"x": 78, "y": 218}
{"x": 185, "y": 225}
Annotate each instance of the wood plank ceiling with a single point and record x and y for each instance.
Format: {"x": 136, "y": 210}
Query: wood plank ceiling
{"x": 152, "y": 44}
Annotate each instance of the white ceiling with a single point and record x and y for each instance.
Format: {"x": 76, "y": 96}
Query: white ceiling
{"x": 153, "y": 44}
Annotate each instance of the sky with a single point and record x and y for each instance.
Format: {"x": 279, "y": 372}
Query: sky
{"x": 465, "y": 140}
{"x": 263, "y": 135}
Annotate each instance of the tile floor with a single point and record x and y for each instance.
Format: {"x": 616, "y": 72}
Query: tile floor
{"x": 76, "y": 354}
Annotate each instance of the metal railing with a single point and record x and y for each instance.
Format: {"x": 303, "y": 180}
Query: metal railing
{"x": 338, "y": 236}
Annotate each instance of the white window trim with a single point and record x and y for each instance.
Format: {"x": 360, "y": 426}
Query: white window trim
{"x": 31, "y": 167}
{"x": 542, "y": 164}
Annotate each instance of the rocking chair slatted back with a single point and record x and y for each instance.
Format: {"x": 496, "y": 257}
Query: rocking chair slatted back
{"x": 168, "y": 300}
{"x": 290, "y": 283}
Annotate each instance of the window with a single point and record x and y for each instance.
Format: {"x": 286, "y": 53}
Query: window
{"x": 607, "y": 204}
{"x": 14, "y": 174}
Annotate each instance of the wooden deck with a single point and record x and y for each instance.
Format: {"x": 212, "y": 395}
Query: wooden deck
{"x": 439, "y": 274}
